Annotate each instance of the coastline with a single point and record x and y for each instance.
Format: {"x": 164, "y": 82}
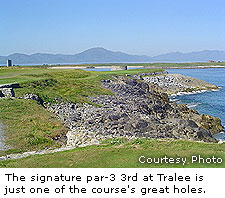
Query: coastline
{"x": 193, "y": 92}
{"x": 70, "y": 135}
{"x": 120, "y": 86}
{"x": 189, "y": 67}
{"x": 179, "y": 84}
{"x": 139, "y": 67}
{"x": 173, "y": 98}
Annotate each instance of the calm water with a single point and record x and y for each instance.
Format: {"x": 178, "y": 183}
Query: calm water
{"x": 210, "y": 102}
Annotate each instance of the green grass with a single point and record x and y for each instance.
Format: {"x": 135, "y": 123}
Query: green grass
{"x": 29, "y": 126}
{"x": 124, "y": 154}
{"x": 69, "y": 85}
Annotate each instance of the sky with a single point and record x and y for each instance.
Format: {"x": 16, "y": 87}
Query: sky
{"x": 142, "y": 27}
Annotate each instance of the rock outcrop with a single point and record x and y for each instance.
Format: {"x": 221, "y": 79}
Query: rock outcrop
{"x": 174, "y": 83}
{"x": 7, "y": 92}
{"x": 137, "y": 109}
{"x": 140, "y": 107}
{"x": 32, "y": 97}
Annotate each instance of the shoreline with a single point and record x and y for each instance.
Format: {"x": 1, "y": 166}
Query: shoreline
{"x": 69, "y": 147}
{"x": 190, "y": 67}
{"x": 193, "y": 92}
{"x": 172, "y": 98}
{"x": 120, "y": 82}
{"x": 179, "y": 84}
{"x": 140, "y": 67}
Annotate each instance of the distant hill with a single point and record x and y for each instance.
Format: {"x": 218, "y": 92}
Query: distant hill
{"x": 99, "y": 55}
{"x": 204, "y": 55}
{"x": 91, "y": 55}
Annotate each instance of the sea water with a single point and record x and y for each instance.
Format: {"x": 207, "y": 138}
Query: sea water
{"x": 208, "y": 102}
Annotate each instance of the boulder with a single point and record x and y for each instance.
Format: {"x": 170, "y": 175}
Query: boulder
{"x": 137, "y": 109}
{"x": 7, "y": 92}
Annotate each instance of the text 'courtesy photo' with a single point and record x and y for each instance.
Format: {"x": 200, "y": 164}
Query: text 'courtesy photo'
{"x": 112, "y": 98}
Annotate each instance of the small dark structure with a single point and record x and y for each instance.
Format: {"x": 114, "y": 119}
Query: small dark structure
{"x": 9, "y": 63}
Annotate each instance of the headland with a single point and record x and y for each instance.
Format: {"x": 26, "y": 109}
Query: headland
{"x": 130, "y": 105}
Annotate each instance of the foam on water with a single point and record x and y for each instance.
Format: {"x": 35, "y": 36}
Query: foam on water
{"x": 191, "y": 105}
{"x": 174, "y": 100}
{"x": 208, "y": 102}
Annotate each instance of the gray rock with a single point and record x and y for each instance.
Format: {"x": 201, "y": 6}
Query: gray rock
{"x": 32, "y": 97}
{"x": 135, "y": 110}
{"x": 7, "y": 92}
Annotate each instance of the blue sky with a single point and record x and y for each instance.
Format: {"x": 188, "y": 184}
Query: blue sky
{"x": 149, "y": 27}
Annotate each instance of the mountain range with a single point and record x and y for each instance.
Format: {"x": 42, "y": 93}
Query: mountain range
{"x": 101, "y": 55}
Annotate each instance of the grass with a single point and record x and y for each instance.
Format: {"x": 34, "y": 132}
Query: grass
{"x": 18, "y": 74}
{"x": 123, "y": 154}
{"x": 29, "y": 126}
{"x": 69, "y": 85}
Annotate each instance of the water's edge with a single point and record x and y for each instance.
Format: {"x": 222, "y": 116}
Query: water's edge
{"x": 209, "y": 102}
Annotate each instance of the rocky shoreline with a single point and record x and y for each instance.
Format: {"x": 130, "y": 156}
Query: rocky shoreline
{"x": 138, "y": 108}
{"x": 177, "y": 83}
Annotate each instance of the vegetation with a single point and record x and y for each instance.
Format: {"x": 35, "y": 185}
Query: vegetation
{"x": 29, "y": 126}
{"x": 121, "y": 153}
{"x": 50, "y": 84}
{"x": 163, "y": 65}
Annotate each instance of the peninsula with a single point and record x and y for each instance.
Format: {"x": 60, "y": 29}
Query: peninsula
{"x": 93, "y": 108}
